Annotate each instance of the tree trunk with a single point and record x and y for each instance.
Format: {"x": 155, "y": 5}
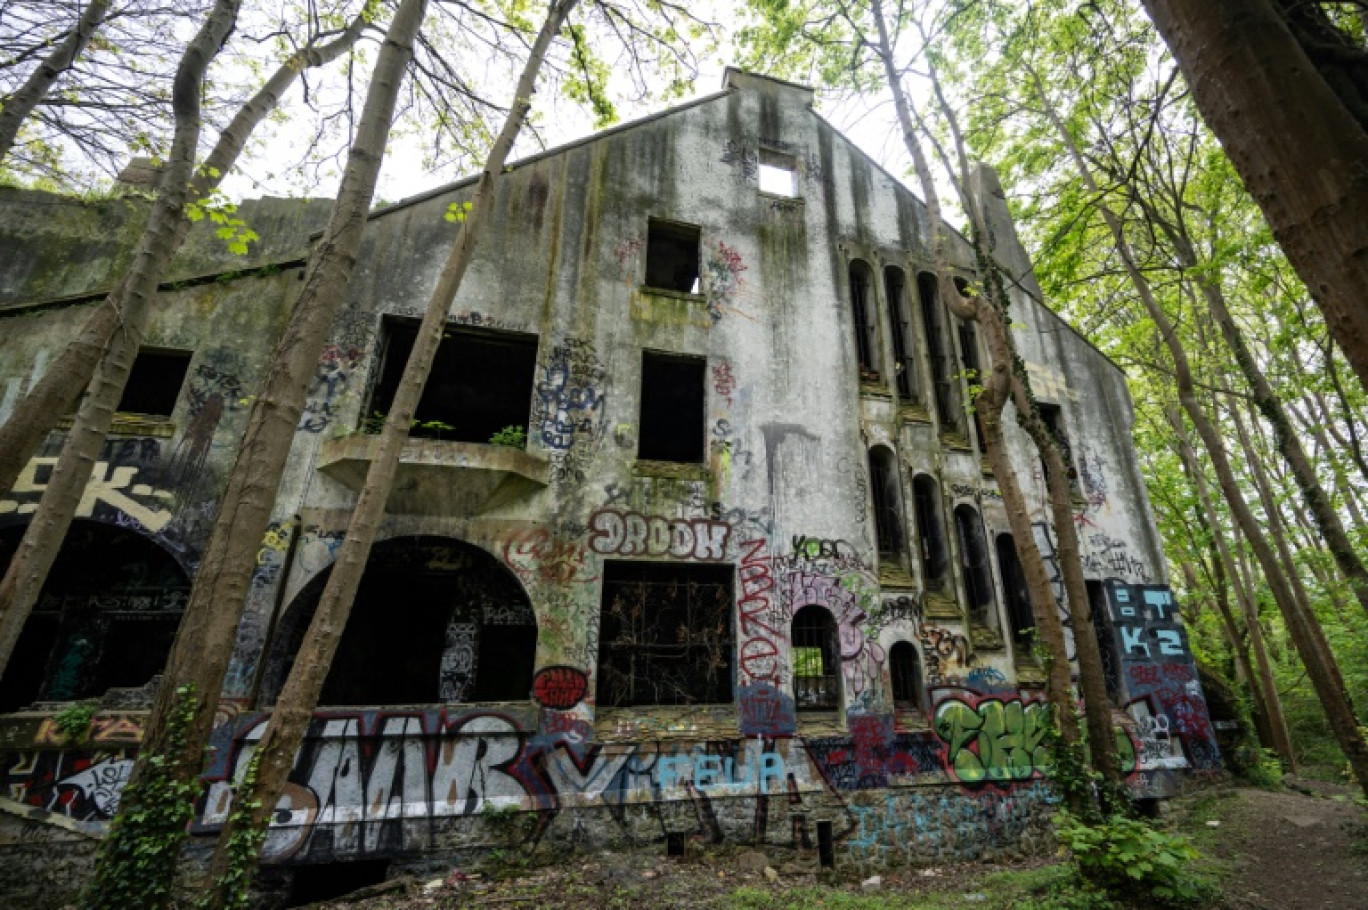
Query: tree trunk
{"x": 57, "y": 390}
{"x": 290, "y": 718}
{"x": 106, "y": 361}
{"x": 16, "y": 108}
{"x": 1280, "y": 122}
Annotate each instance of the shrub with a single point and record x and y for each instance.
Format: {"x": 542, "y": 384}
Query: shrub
{"x": 1127, "y": 857}
{"x": 511, "y": 436}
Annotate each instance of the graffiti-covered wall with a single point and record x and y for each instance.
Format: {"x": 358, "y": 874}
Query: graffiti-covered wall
{"x": 694, "y": 533}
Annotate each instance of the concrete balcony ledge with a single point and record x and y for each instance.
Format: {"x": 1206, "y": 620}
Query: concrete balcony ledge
{"x": 437, "y": 476}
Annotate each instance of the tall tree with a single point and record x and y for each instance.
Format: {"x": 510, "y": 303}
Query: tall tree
{"x": 1285, "y": 89}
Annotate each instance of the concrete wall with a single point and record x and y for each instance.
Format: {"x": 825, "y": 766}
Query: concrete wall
{"x": 783, "y": 496}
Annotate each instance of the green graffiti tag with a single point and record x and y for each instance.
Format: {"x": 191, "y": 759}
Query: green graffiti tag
{"x": 993, "y": 740}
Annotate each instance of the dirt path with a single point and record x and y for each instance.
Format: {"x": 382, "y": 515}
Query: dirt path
{"x": 1288, "y": 850}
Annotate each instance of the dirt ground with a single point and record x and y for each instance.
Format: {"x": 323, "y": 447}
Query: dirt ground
{"x": 1272, "y": 850}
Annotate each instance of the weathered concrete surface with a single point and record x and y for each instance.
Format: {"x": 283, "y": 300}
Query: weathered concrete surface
{"x": 782, "y": 499}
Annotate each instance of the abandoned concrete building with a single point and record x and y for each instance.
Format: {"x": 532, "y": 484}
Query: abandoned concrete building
{"x": 694, "y": 538}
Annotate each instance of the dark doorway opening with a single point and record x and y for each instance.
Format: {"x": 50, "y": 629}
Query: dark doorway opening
{"x": 888, "y": 519}
{"x": 978, "y": 581}
{"x": 325, "y": 881}
{"x": 906, "y": 675}
{"x": 931, "y": 531}
{"x": 863, "y": 313}
{"x": 1019, "y": 612}
{"x": 672, "y": 256}
{"x": 105, "y": 619}
{"x": 938, "y": 347}
{"x": 480, "y": 384}
{"x": 672, "y": 394}
{"x": 665, "y": 634}
{"x": 154, "y": 383}
{"x": 435, "y": 621}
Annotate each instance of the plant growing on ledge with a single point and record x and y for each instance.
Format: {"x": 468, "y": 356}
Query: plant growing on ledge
{"x": 74, "y": 720}
{"x": 511, "y": 436}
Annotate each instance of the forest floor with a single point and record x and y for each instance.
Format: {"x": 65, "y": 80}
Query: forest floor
{"x": 1299, "y": 848}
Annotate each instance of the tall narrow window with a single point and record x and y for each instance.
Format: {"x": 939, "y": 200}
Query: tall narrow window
{"x": 906, "y": 675}
{"x": 1106, "y": 639}
{"x": 904, "y": 341}
{"x": 1018, "y": 593}
{"x": 816, "y": 660}
{"x": 942, "y": 361}
{"x": 1053, "y": 418}
{"x": 973, "y": 372}
{"x": 930, "y": 532}
{"x": 671, "y": 408}
{"x": 665, "y": 634}
{"x": 978, "y": 582}
{"x": 155, "y": 383}
{"x": 863, "y": 312}
{"x": 888, "y": 523}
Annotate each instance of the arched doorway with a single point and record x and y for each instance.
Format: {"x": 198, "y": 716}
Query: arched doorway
{"x": 106, "y": 618}
{"x": 905, "y": 673}
{"x": 816, "y": 660}
{"x": 436, "y": 620}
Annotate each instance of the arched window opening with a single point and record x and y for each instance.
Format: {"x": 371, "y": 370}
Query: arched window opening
{"x": 906, "y": 675}
{"x": 938, "y": 347}
{"x": 888, "y": 521}
{"x": 904, "y": 339}
{"x": 105, "y": 618}
{"x": 930, "y": 533}
{"x": 1018, "y": 593}
{"x": 863, "y": 312}
{"x": 435, "y": 621}
{"x": 816, "y": 660}
{"x": 978, "y": 584}
{"x": 973, "y": 372}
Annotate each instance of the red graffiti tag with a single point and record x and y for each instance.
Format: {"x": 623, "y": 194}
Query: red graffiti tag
{"x": 560, "y": 687}
{"x": 759, "y": 652}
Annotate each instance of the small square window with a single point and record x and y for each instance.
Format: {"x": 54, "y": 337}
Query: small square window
{"x": 672, "y": 257}
{"x": 155, "y": 383}
{"x": 778, "y": 174}
{"x": 672, "y": 391}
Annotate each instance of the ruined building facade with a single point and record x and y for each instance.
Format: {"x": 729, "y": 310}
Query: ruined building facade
{"x": 739, "y": 571}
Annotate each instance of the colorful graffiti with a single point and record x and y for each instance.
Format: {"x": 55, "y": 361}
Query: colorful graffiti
{"x": 633, "y": 534}
{"x": 331, "y": 378}
{"x": 535, "y": 554}
{"x": 559, "y": 687}
{"x": 111, "y": 486}
{"x": 724, "y": 266}
{"x": 993, "y": 739}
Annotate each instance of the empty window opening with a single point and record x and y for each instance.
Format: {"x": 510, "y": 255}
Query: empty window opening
{"x": 888, "y": 520}
{"x": 665, "y": 634}
{"x": 155, "y": 382}
{"x": 904, "y": 339}
{"x": 435, "y": 620}
{"x": 978, "y": 582}
{"x": 325, "y": 881}
{"x": 480, "y": 383}
{"x": 778, "y": 174}
{"x": 672, "y": 395}
{"x": 942, "y": 362}
{"x": 1053, "y": 418}
{"x": 973, "y": 373}
{"x": 863, "y": 312}
{"x": 816, "y": 660}
{"x": 672, "y": 256}
{"x": 1020, "y": 615}
{"x": 1106, "y": 641}
{"x": 106, "y": 617}
{"x": 930, "y": 533}
{"x": 906, "y": 675}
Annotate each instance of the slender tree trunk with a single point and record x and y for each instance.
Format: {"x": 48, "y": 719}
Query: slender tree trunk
{"x": 14, "y": 110}
{"x": 1262, "y": 681}
{"x": 124, "y": 314}
{"x": 70, "y": 373}
{"x": 1280, "y": 121}
{"x": 290, "y": 718}
{"x": 1303, "y": 627}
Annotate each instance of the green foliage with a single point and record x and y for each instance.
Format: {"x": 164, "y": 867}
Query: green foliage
{"x": 74, "y": 720}
{"x": 1264, "y": 769}
{"x": 244, "y": 845}
{"x": 222, "y": 212}
{"x": 1130, "y": 858}
{"x": 514, "y": 437}
{"x": 136, "y": 865}
{"x": 373, "y": 424}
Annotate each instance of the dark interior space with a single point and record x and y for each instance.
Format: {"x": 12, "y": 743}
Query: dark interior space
{"x": 942, "y": 363}
{"x": 155, "y": 383}
{"x": 978, "y": 581}
{"x": 903, "y": 668}
{"x": 106, "y": 617}
{"x": 1018, "y": 593}
{"x": 435, "y": 621}
{"x": 888, "y": 521}
{"x": 904, "y": 338}
{"x": 816, "y": 660}
{"x": 481, "y": 382}
{"x": 1053, "y": 418}
{"x": 672, "y": 257}
{"x": 1106, "y": 643}
{"x": 931, "y": 532}
{"x": 665, "y": 636}
{"x": 862, "y": 313}
{"x": 325, "y": 881}
{"x": 672, "y": 396}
